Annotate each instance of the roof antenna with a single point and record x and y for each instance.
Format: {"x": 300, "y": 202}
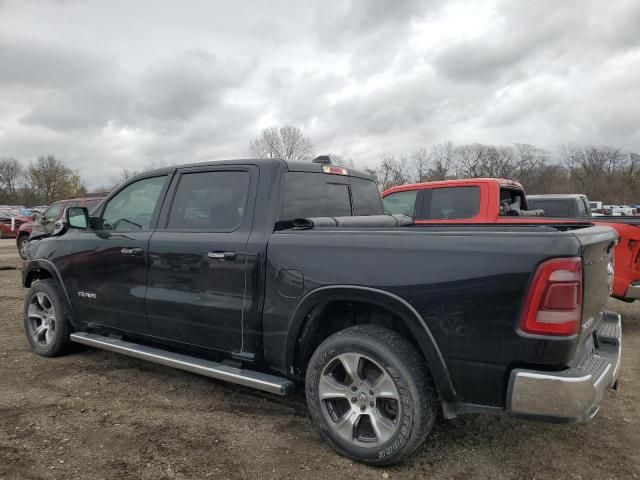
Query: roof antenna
{"x": 323, "y": 159}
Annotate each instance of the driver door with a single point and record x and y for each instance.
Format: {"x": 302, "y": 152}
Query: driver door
{"x": 109, "y": 262}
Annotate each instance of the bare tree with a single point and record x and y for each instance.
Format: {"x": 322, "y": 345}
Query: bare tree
{"x": 11, "y": 173}
{"x": 443, "y": 157}
{"x": 392, "y": 171}
{"x": 471, "y": 159}
{"x": 420, "y": 162}
{"x": 288, "y": 143}
{"x": 478, "y": 160}
{"x": 124, "y": 175}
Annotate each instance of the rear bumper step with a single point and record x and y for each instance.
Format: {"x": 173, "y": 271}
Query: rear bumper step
{"x": 219, "y": 371}
{"x": 570, "y": 395}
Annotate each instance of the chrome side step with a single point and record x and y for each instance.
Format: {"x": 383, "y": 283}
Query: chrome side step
{"x": 248, "y": 378}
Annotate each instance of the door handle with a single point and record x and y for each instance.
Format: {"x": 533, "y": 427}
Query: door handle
{"x": 222, "y": 255}
{"x": 131, "y": 252}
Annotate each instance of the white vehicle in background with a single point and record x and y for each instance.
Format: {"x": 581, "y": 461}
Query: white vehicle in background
{"x": 621, "y": 210}
{"x": 597, "y": 209}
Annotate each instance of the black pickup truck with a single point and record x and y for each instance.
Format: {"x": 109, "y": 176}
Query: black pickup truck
{"x": 273, "y": 274}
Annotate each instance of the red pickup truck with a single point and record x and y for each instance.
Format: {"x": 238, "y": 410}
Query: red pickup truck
{"x": 496, "y": 200}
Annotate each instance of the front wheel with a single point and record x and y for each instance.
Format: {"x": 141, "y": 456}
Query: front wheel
{"x": 46, "y": 319}
{"x": 370, "y": 393}
{"x": 22, "y": 243}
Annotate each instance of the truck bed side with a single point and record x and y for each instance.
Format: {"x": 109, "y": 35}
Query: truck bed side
{"x": 466, "y": 285}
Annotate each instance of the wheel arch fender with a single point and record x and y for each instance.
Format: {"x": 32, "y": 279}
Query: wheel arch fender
{"x": 400, "y": 307}
{"x": 41, "y": 269}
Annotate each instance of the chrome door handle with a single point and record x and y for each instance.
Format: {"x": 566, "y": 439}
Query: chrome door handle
{"x": 222, "y": 255}
{"x": 131, "y": 252}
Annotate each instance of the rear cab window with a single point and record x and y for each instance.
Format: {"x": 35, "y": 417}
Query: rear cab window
{"x": 365, "y": 196}
{"x": 316, "y": 194}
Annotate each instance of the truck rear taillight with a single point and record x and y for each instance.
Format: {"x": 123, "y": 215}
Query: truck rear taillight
{"x": 554, "y": 301}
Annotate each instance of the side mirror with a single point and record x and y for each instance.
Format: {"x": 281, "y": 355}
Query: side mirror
{"x": 59, "y": 227}
{"x": 77, "y": 217}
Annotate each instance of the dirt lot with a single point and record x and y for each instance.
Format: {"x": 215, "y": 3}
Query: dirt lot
{"x": 95, "y": 415}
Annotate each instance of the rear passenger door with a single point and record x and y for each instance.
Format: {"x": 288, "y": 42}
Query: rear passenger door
{"x": 197, "y": 258}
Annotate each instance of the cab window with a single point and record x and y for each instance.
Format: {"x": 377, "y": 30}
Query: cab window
{"x": 53, "y": 213}
{"x": 452, "y": 203}
{"x": 365, "y": 197}
{"x": 132, "y": 207}
{"x": 315, "y": 195}
{"x": 401, "y": 203}
{"x": 552, "y": 208}
{"x": 512, "y": 202}
{"x": 583, "y": 208}
{"x": 210, "y": 201}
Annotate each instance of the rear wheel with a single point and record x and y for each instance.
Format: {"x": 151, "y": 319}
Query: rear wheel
{"x": 46, "y": 320}
{"x": 370, "y": 393}
{"x": 22, "y": 243}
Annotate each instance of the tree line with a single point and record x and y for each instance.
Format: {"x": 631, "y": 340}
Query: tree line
{"x": 41, "y": 182}
{"x": 604, "y": 173}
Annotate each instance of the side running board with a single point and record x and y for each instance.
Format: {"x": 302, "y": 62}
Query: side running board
{"x": 248, "y": 378}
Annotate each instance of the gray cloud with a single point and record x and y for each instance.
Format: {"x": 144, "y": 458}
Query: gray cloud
{"x": 173, "y": 90}
{"x": 529, "y": 37}
{"x": 108, "y": 86}
{"x": 40, "y": 65}
{"x": 186, "y": 84}
{"x": 371, "y": 34}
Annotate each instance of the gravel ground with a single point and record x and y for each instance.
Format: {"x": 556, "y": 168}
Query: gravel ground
{"x": 99, "y": 415}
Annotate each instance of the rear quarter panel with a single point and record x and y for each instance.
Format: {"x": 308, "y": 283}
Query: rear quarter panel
{"x": 467, "y": 286}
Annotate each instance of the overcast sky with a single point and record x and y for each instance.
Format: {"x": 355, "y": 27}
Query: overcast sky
{"x": 106, "y": 85}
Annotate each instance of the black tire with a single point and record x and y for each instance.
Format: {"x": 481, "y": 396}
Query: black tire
{"x": 22, "y": 249}
{"x": 376, "y": 348}
{"x": 44, "y": 306}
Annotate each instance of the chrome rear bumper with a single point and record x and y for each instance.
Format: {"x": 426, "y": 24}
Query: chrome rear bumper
{"x": 570, "y": 395}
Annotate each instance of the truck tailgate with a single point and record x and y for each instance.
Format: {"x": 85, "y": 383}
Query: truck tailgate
{"x": 597, "y": 249}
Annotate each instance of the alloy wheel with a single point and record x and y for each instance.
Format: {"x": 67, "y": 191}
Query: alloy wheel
{"x": 42, "y": 319}
{"x": 359, "y": 400}
{"x": 23, "y": 247}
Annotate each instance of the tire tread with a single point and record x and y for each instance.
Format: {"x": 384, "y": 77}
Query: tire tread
{"x": 402, "y": 353}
